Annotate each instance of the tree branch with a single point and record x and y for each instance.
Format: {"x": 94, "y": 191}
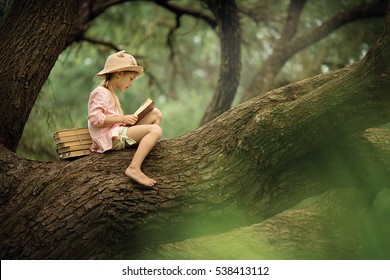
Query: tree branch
{"x": 294, "y": 12}
{"x": 260, "y": 12}
{"x": 265, "y": 75}
{"x": 363, "y": 11}
{"x": 229, "y": 33}
{"x": 170, "y": 40}
{"x": 99, "y": 42}
{"x": 186, "y": 11}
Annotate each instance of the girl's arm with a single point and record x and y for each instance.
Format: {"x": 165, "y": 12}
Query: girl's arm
{"x": 126, "y": 119}
{"x": 98, "y": 106}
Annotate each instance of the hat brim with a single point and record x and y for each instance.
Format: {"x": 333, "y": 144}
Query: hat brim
{"x": 138, "y": 69}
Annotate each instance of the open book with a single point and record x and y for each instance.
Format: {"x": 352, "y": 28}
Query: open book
{"x": 144, "y": 109}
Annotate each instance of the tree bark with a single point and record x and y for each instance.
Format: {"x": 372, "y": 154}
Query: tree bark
{"x": 61, "y": 212}
{"x": 27, "y": 63}
{"x": 228, "y": 27}
{"x": 328, "y": 225}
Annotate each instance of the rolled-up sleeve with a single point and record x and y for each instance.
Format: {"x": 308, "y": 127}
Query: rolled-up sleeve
{"x": 97, "y": 110}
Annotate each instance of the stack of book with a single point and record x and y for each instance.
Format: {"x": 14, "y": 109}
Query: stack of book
{"x": 72, "y": 142}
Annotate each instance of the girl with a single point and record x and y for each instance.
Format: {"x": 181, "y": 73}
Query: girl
{"x": 110, "y": 129}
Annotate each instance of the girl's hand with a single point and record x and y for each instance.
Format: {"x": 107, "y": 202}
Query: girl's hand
{"x": 130, "y": 119}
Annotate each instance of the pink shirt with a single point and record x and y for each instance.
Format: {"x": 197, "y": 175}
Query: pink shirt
{"x": 101, "y": 104}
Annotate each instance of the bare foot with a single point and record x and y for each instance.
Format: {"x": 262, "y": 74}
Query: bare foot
{"x": 138, "y": 176}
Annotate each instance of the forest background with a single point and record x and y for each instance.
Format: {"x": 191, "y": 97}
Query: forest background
{"x": 182, "y": 62}
{"x": 181, "y": 54}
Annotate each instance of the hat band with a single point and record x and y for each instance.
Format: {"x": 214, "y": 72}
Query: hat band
{"x": 137, "y": 69}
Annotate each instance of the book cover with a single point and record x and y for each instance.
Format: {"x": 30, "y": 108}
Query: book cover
{"x": 87, "y": 142}
{"x": 74, "y": 154}
{"x": 144, "y": 109}
{"x": 70, "y": 138}
{"x": 70, "y": 132}
{"x": 72, "y": 148}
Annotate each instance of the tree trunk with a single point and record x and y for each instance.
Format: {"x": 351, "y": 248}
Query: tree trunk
{"x": 25, "y": 64}
{"x": 228, "y": 27}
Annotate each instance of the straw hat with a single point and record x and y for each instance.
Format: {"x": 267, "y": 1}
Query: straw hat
{"x": 120, "y": 61}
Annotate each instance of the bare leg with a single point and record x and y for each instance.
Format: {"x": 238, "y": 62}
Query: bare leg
{"x": 154, "y": 117}
{"x": 147, "y": 136}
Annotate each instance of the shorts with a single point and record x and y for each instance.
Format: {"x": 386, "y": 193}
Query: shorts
{"x": 122, "y": 141}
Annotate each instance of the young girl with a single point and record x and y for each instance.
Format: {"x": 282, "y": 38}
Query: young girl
{"x": 110, "y": 129}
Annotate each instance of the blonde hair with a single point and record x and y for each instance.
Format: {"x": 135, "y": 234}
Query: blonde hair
{"x": 106, "y": 84}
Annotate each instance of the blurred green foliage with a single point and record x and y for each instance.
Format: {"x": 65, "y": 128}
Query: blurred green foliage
{"x": 377, "y": 228}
